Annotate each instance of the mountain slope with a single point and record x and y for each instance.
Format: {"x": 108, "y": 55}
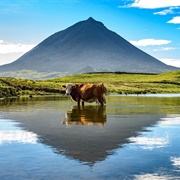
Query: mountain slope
{"x": 87, "y": 44}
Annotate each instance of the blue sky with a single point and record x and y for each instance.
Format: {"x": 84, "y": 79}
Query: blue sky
{"x": 151, "y": 25}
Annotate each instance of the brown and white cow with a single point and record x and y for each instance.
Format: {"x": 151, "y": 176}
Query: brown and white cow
{"x": 86, "y": 92}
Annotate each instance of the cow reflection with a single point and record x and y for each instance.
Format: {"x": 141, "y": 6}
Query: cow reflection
{"x": 86, "y": 115}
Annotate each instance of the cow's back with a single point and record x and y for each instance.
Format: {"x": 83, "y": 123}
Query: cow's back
{"x": 93, "y": 92}
{"x": 87, "y": 91}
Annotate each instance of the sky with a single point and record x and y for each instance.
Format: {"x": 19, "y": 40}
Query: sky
{"x": 151, "y": 25}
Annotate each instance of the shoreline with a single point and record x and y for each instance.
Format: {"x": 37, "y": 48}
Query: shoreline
{"x": 116, "y": 94}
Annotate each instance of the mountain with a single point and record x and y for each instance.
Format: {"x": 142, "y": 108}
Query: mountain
{"x": 85, "y": 46}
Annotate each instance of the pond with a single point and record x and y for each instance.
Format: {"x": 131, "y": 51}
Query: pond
{"x": 132, "y": 137}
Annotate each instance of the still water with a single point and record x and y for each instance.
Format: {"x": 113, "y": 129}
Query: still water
{"x": 132, "y": 137}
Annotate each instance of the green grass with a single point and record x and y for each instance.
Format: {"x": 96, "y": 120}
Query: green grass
{"x": 129, "y": 83}
{"x": 115, "y": 83}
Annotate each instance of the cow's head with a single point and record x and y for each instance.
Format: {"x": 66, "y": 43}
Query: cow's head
{"x": 68, "y": 87}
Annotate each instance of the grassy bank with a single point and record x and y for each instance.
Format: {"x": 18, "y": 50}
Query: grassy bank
{"x": 120, "y": 83}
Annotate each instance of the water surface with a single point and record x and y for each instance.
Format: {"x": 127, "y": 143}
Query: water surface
{"x": 132, "y": 137}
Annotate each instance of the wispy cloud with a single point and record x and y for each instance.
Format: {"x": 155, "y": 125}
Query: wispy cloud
{"x": 150, "y": 42}
{"x": 7, "y": 47}
{"x": 9, "y": 8}
{"x": 171, "y": 10}
{"x": 164, "y": 49}
{"x": 153, "y": 4}
{"x": 155, "y": 176}
{"x": 175, "y": 20}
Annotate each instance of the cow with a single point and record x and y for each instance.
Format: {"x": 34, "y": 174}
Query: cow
{"x": 86, "y": 92}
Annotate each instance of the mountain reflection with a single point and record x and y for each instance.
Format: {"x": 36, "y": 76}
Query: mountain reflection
{"x": 87, "y": 144}
{"x": 86, "y": 115}
{"x": 79, "y": 135}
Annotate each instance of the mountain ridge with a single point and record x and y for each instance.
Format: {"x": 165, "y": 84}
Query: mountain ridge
{"x": 87, "y": 43}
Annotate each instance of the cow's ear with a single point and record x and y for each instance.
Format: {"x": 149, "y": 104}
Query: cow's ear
{"x": 63, "y": 86}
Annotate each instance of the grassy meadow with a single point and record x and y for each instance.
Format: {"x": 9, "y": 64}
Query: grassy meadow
{"x": 116, "y": 83}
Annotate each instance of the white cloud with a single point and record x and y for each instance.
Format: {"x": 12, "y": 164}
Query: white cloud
{"x": 170, "y": 10}
{"x": 164, "y": 49}
{"x": 150, "y": 143}
{"x": 176, "y": 162}
{"x": 153, "y": 4}
{"x": 9, "y": 136}
{"x": 155, "y": 176}
{"x": 175, "y": 20}
{"x": 150, "y": 42}
{"x": 170, "y": 120}
{"x": 10, "y": 57}
{"x": 7, "y": 47}
{"x": 171, "y": 62}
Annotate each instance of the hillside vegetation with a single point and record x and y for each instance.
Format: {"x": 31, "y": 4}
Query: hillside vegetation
{"x": 121, "y": 83}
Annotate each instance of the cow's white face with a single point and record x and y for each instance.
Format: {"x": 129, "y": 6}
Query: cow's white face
{"x": 68, "y": 88}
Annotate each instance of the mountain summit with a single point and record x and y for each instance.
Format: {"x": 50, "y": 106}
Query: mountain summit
{"x": 87, "y": 44}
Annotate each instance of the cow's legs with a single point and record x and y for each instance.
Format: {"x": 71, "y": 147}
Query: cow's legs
{"x": 101, "y": 101}
{"x": 82, "y": 103}
{"x": 78, "y": 101}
